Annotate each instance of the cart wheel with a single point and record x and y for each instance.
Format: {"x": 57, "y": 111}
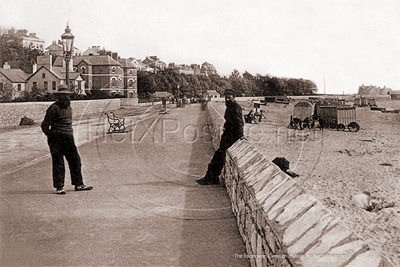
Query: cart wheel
{"x": 340, "y": 127}
{"x": 111, "y": 129}
{"x": 354, "y": 127}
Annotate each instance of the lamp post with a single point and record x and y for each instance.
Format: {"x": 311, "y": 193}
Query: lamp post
{"x": 67, "y": 43}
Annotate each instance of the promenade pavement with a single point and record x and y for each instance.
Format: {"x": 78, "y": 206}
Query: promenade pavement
{"x": 145, "y": 208}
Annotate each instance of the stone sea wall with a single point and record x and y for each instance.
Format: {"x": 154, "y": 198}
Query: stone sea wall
{"x": 11, "y": 113}
{"x": 129, "y": 102}
{"x": 282, "y": 225}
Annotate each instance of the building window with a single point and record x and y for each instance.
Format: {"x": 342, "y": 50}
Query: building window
{"x": 43, "y": 75}
{"x": 113, "y": 69}
{"x": 53, "y": 85}
{"x": 130, "y": 83}
{"x": 113, "y": 82}
{"x": 35, "y": 84}
{"x": 46, "y": 86}
{"x": 19, "y": 87}
{"x": 83, "y": 70}
{"x": 1, "y": 86}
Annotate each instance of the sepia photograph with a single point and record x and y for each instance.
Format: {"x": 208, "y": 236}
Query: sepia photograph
{"x": 200, "y": 133}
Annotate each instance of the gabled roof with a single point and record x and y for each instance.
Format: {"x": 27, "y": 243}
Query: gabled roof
{"x": 43, "y": 67}
{"x": 84, "y": 60}
{"x": 212, "y": 92}
{"x": 14, "y": 75}
{"x": 126, "y": 63}
{"x": 136, "y": 61}
{"x": 61, "y": 73}
{"x": 58, "y": 72}
{"x": 92, "y": 50}
{"x": 93, "y": 60}
{"x": 54, "y": 46}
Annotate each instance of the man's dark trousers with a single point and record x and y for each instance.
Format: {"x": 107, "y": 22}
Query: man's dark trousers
{"x": 64, "y": 145}
{"x": 218, "y": 161}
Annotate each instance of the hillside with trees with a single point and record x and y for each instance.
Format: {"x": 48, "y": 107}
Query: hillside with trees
{"x": 244, "y": 85}
{"x": 17, "y": 56}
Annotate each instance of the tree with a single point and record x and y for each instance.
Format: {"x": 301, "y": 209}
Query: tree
{"x": 37, "y": 93}
{"x": 7, "y": 92}
{"x": 246, "y": 84}
{"x": 18, "y": 56}
{"x": 208, "y": 69}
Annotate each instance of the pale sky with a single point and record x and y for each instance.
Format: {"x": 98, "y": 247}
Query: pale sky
{"x": 347, "y": 43}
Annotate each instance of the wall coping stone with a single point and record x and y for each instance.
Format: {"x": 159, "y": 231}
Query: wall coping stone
{"x": 13, "y": 112}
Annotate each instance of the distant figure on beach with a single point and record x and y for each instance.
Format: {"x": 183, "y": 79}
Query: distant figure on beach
{"x": 57, "y": 126}
{"x": 233, "y": 131}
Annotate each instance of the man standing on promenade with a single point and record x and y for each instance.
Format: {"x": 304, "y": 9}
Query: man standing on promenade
{"x": 233, "y": 131}
{"x": 57, "y": 126}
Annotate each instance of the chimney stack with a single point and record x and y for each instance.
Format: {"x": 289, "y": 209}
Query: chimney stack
{"x": 45, "y": 60}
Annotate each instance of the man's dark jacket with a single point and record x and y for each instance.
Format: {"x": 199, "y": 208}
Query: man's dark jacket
{"x": 233, "y": 127}
{"x": 57, "y": 120}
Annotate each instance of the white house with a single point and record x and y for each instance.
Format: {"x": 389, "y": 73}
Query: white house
{"x": 15, "y": 77}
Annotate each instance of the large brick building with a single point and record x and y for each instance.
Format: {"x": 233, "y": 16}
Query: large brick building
{"x": 102, "y": 72}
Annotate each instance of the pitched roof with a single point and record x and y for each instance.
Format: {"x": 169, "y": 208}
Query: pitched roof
{"x": 59, "y": 72}
{"x": 58, "y": 75}
{"x": 92, "y": 50}
{"x": 54, "y": 46}
{"x": 94, "y": 60}
{"x": 98, "y": 60}
{"x": 212, "y": 92}
{"x": 86, "y": 61}
{"x": 126, "y": 63}
{"x": 14, "y": 75}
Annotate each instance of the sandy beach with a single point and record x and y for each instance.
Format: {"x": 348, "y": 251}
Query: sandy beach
{"x": 334, "y": 165}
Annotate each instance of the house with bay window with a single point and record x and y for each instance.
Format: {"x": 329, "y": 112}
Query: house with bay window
{"x": 102, "y": 72}
{"x": 130, "y": 78}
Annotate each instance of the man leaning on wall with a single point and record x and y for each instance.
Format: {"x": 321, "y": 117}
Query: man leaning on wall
{"x": 233, "y": 131}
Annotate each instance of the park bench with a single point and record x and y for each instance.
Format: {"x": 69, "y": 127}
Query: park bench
{"x": 116, "y": 124}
